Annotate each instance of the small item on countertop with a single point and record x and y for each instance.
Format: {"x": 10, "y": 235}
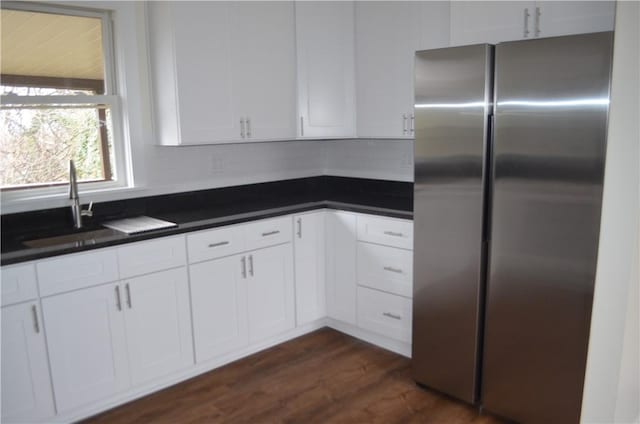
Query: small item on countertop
{"x": 138, "y": 224}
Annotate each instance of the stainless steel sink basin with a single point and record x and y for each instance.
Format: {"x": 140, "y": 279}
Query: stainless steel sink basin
{"x": 75, "y": 239}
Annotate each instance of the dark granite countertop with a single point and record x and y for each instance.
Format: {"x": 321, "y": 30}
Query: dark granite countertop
{"x": 203, "y": 209}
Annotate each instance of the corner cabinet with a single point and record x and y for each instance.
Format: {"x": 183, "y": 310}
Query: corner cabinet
{"x": 497, "y": 21}
{"x": 222, "y": 71}
{"x": 326, "y": 69}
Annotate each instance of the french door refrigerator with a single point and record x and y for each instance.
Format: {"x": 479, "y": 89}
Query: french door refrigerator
{"x": 510, "y": 144}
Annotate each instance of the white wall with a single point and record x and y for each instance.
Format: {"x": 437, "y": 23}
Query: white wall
{"x": 612, "y": 381}
{"x": 378, "y": 159}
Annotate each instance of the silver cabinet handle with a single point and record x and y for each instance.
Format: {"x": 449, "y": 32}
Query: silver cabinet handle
{"x": 412, "y": 125}
{"x": 118, "y": 300}
{"x": 221, "y": 243}
{"x": 392, "y": 269}
{"x": 390, "y": 315}
{"x": 404, "y": 123}
{"x": 242, "y": 127}
{"x": 248, "y": 127}
{"x": 251, "y": 265}
{"x": 243, "y": 261}
{"x": 536, "y": 29}
{"x": 393, "y": 233}
{"x": 526, "y": 23}
{"x": 270, "y": 233}
{"x": 299, "y": 220}
{"x": 36, "y": 324}
{"x": 128, "y": 290}
{"x": 302, "y": 126}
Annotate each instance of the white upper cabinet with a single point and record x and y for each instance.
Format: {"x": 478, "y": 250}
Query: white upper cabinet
{"x": 326, "y": 69}
{"x": 264, "y": 68}
{"x": 490, "y": 21}
{"x": 496, "y": 21}
{"x": 387, "y": 37}
{"x": 222, "y": 71}
{"x": 574, "y": 17}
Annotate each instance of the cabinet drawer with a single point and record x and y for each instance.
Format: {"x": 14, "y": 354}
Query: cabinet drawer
{"x": 385, "y": 268}
{"x": 387, "y": 231}
{"x": 151, "y": 256}
{"x": 18, "y": 283}
{"x": 267, "y": 232}
{"x": 211, "y": 244}
{"x": 77, "y": 271}
{"x": 385, "y": 314}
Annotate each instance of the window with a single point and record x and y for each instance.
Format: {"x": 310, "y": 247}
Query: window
{"x": 58, "y": 98}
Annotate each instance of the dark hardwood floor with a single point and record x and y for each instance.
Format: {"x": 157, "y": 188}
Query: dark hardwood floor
{"x": 322, "y": 377}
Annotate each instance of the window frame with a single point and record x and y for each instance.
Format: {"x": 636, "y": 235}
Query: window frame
{"x": 110, "y": 98}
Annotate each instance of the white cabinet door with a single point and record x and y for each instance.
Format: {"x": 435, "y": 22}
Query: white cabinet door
{"x": 270, "y": 291}
{"x": 309, "y": 252}
{"x": 434, "y": 23}
{"x": 87, "y": 345}
{"x": 158, "y": 324}
{"x": 194, "y": 87}
{"x": 491, "y": 21}
{"x": 26, "y": 385}
{"x": 263, "y": 66}
{"x": 575, "y": 17}
{"x": 341, "y": 266}
{"x": 219, "y": 306}
{"x": 387, "y": 36}
{"x": 325, "y": 57}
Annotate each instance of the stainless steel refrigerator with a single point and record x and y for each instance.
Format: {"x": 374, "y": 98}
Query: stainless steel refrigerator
{"x": 510, "y": 144}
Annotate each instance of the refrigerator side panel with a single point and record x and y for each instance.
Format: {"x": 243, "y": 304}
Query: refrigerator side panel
{"x": 451, "y": 112}
{"x": 551, "y": 112}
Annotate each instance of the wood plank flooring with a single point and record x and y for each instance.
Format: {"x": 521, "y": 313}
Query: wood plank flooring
{"x": 322, "y": 377}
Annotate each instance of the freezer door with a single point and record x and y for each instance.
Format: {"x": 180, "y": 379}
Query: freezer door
{"x": 552, "y": 98}
{"x": 452, "y": 103}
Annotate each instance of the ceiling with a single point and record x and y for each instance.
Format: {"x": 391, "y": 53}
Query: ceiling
{"x": 50, "y": 45}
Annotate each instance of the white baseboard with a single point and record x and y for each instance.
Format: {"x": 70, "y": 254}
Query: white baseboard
{"x": 396, "y": 346}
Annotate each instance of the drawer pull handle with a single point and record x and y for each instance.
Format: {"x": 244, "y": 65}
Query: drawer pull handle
{"x": 36, "y": 324}
{"x": 244, "y": 266}
{"x": 128, "y": 290}
{"x": 270, "y": 233}
{"x": 393, "y": 233}
{"x": 390, "y": 315}
{"x": 118, "y": 300}
{"x": 221, "y": 243}
{"x": 392, "y": 269}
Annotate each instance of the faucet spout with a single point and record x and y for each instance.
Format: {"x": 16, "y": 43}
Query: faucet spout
{"x": 76, "y": 209}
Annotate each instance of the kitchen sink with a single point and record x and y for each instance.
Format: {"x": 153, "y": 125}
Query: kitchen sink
{"x": 83, "y": 238}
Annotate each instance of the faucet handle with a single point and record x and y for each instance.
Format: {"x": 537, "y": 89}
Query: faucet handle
{"x": 88, "y": 211}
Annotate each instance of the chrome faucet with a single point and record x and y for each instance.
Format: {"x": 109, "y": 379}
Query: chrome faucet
{"x": 76, "y": 210}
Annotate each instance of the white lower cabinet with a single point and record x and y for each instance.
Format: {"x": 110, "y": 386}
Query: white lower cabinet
{"x": 103, "y": 340}
{"x": 270, "y": 291}
{"x": 123, "y": 321}
{"x": 219, "y": 306}
{"x": 26, "y": 385}
{"x": 309, "y": 258}
{"x": 87, "y": 345}
{"x": 385, "y": 314}
{"x": 158, "y": 324}
{"x": 341, "y": 266}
